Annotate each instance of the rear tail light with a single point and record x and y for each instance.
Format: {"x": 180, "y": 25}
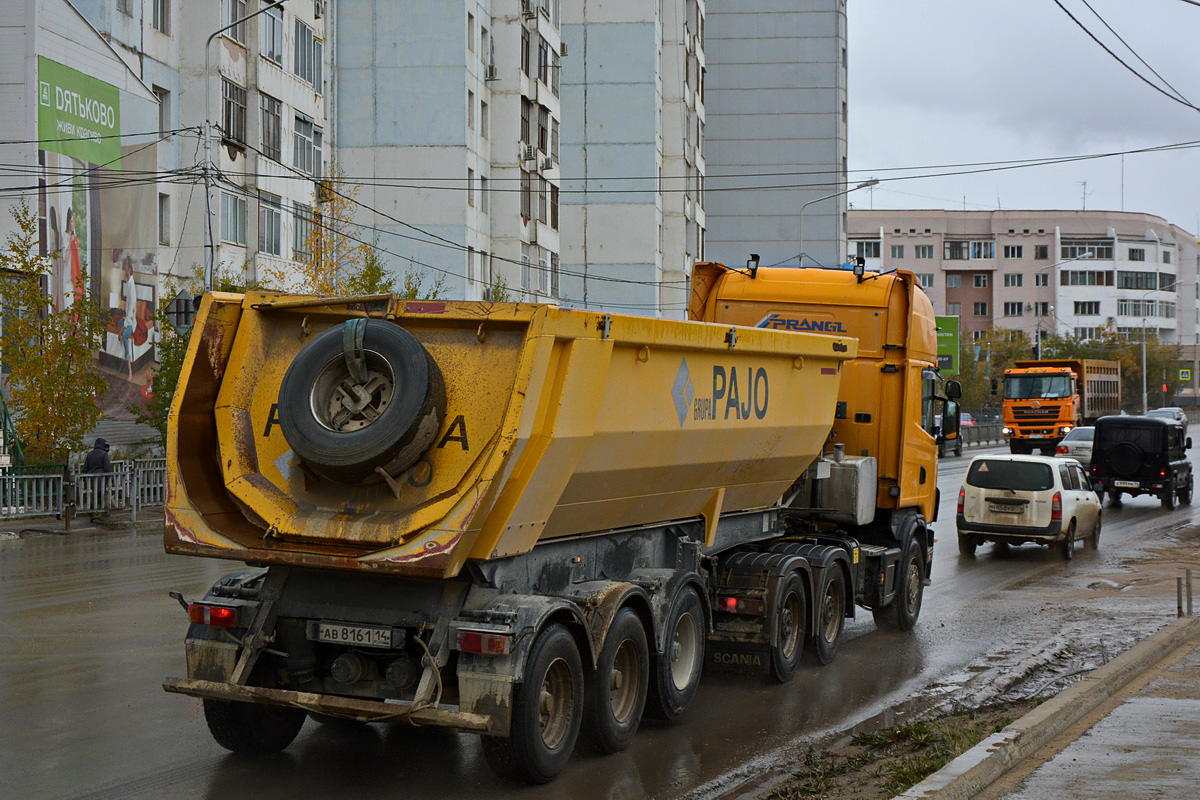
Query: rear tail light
{"x": 1056, "y": 506}
{"x": 217, "y": 616}
{"x": 962, "y": 494}
{"x": 741, "y": 605}
{"x": 1060, "y": 450}
{"x": 486, "y": 644}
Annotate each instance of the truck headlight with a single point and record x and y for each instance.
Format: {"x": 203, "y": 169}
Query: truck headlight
{"x": 1066, "y": 428}
{"x": 1006, "y": 431}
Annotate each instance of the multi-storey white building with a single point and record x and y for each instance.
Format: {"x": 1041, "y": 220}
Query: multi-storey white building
{"x": 1043, "y": 272}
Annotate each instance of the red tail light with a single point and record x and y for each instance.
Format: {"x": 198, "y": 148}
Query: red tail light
{"x": 962, "y": 493}
{"x": 1061, "y": 450}
{"x": 218, "y": 616}
{"x": 486, "y": 644}
{"x": 1056, "y": 506}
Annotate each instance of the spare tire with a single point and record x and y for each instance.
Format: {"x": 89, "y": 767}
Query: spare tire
{"x": 359, "y": 397}
{"x": 1125, "y": 458}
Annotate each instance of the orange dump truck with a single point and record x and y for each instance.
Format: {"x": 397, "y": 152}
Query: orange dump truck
{"x": 531, "y": 522}
{"x": 1044, "y": 400}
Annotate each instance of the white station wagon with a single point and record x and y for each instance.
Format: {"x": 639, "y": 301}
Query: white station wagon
{"x": 1016, "y": 499}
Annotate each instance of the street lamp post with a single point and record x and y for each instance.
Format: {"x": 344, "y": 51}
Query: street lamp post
{"x": 800, "y": 216}
{"x": 209, "y": 255}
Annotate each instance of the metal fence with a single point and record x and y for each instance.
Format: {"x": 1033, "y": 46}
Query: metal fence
{"x": 131, "y": 486}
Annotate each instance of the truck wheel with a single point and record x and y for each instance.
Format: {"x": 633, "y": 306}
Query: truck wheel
{"x": 676, "y": 673}
{"x": 344, "y": 422}
{"x": 790, "y": 611}
{"x": 906, "y": 607}
{"x": 1067, "y": 545}
{"x": 831, "y": 615}
{"x": 1018, "y": 448}
{"x": 967, "y": 544}
{"x": 616, "y": 690}
{"x": 251, "y": 728}
{"x": 547, "y": 712}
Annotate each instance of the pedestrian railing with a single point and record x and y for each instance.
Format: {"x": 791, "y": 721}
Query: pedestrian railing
{"x": 979, "y": 435}
{"x": 130, "y": 487}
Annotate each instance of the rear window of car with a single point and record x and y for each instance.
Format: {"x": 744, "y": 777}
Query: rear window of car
{"x": 1147, "y": 437}
{"x": 1021, "y": 476}
{"x": 1080, "y": 435}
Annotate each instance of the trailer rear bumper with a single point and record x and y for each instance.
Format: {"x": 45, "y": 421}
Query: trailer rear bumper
{"x": 360, "y": 709}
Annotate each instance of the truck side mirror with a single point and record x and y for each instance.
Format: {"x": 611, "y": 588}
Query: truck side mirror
{"x": 953, "y": 390}
{"x": 950, "y": 418}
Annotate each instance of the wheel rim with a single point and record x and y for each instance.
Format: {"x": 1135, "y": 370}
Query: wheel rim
{"x": 556, "y": 704}
{"x": 684, "y": 647}
{"x": 831, "y": 618}
{"x": 912, "y": 585}
{"x": 625, "y": 681}
{"x": 342, "y": 405}
{"x": 789, "y": 624}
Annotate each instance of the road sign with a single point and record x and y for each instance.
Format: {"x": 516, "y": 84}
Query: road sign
{"x": 1185, "y": 375}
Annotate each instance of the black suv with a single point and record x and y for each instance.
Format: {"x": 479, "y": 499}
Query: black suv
{"x": 1141, "y": 455}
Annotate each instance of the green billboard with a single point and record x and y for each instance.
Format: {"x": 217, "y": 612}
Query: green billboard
{"x": 947, "y": 345}
{"x": 78, "y": 116}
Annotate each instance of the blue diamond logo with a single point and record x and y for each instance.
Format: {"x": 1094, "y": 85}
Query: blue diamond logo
{"x": 683, "y": 391}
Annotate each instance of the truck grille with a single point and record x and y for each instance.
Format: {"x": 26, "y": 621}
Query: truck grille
{"x": 1034, "y": 413}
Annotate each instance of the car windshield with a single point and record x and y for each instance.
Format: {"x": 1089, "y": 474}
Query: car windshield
{"x": 1147, "y": 437}
{"x": 1026, "y": 387}
{"x": 1020, "y": 476}
{"x": 1161, "y": 412}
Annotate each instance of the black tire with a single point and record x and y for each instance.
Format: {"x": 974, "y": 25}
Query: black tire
{"x": 1114, "y": 497}
{"x": 1185, "y": 492}
{"x": 1017, "y": 448}
{"x": 967, "y": 544}
{"x": 617, "y": 688}
{"x": 1168, "y": 498}
{"x": 252, "y": 729}
{"x": 830, "y": 601}
{"x": 958, "y": 445}
{"x": 407, "y": 400}
{"x": 1067, "y": 545}
{"x": 675, "y": 674}
{"x": 902, "y": 614}
{"x": 547, "y": 712}
{"x": 1095, "y": 537}
{"x": 791, "y": 613}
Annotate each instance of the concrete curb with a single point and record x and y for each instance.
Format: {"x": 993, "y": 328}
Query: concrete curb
{"x": 983, "y": 764}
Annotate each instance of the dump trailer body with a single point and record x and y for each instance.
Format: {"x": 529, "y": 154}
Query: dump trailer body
{"x": 557, "y": 423}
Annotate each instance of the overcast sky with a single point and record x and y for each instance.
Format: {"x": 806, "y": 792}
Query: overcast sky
{"x": 936, "y": 82}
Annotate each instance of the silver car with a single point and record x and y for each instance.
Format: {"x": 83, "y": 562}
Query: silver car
{"x": 1170, "y": 412}
{"x": 1077, "y": 444}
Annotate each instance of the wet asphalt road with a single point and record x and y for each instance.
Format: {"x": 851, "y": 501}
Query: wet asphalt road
{"x": 88, "y": 633}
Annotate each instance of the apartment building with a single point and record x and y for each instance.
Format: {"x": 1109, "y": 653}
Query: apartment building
{"x": 1068, "y": 273}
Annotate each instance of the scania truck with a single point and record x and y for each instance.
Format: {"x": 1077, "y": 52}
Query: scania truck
{"x": 537, "y": 523}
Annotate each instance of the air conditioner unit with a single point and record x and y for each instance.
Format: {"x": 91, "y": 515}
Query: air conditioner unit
{"x": 562, "y": 50}
{"x": 527, "y": 9}
{"x": 490, "y": 73}
{"x": 318, "y": 8}
{"x": 529, "y": 153}
{"x": 548, "y": 162}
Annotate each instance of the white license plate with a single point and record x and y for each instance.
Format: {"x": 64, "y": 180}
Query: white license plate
{"x": 1126, "y": 484}
{"x": 360, "y": 635}
{"x": 1037, "y": 436}
{"x": 1005, "y": 508}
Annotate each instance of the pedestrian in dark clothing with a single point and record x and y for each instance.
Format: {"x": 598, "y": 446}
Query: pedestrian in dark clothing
{"x": 98, "y": 460}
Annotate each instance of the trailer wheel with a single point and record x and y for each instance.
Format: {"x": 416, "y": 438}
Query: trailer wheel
{"x": 547, "y": 712}
{"x": 906, "y": 607}
{"x": 251, "y": 728}
{"x": 831, "y": 616}
{"x": 790, "y": 611}
{"x": 616, "y": 692}
{"x": 359, "y": 396}
{"x": 676, "y": 672}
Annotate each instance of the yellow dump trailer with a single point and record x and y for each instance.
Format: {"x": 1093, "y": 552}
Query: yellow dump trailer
{"x": 517, "y": 520}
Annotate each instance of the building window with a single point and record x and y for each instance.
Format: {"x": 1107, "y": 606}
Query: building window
{"x": 272, "y": 31}
{"x": 526, "y": 119}
{"x": 543, "y": 200}
{"x": 543, "y": 141}
{"x": 554, "y": 73}
{"x": 470, "y": 110}
{"x": 233, "y": 218}
{"x": 483, "y": 194}
{"x": 526, "y": 195}
{"x": 270, "y": 224}
{"x": 160, "y": 17}
{"x": 484, "y": 119}
{"x": 926, "y": 279}
{"x": 867, "y": 249}
{"x": 1010, "y": 309}
{"x": 981, "y": 309}
{"x": 554, "y": 140}
{"x": 1085, "y": 333}
{"x": 923, "y": 250}
{"x": 1041, "y": 279}
{"x": 1042, "y": 309}
{"x": 1166, "y": 281}
{"x": 471, "y": 188}
{"x": 164, "y": 219}
{"x": 1041, "y": 252}
{"x": 1090, "y": 308}
{"x": 953, "y": 309}
{"x": 954, "y": 281}
{"x": 1089, "y": 277}
{"x": 1087, "y": 248}
{"x": 164, "y": 108}
{"x": 272, "y": 127}
{"x": 983, "y": 249}
{"x": 234, "y": 10}
{"x": 543, "y": 61}
{"x": 302, "y": 229}
{"x": 308, "y": 56}
{"x": 1137, "y": 280}
{"x": 306, "y": 146}
{"x": 525, "y": 48}
{"x": 233, "y": 121}
{"x": 554, "y": 208}
{"x": 1166, "y": 259}
{"x": 956, "y": 251}
{"x": 470, "y": 33}
{"x": 980, "y": 280}
{"x": 1013, "y": 251}
{"x": 1012, "y": 279}
{"x": 897, "y": 251}
{"x": 1137, "y": 254}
